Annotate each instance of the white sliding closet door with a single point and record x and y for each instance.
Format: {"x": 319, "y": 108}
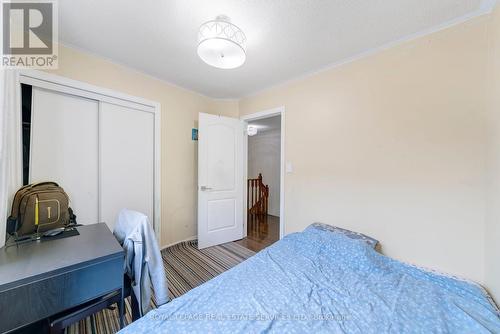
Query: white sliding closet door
{"x": 126, "y": 161}
{"x": 64, "y": 146}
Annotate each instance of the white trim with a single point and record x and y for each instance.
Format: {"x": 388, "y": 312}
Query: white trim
{"x": 99, "y": 159}
{"x": 157, "y": 172}
{"x": 178, "y": 242}
{"x": 74, "y": 87}
{"x": 17, "y": 177}
{"x": 252, "y": 117}
{"x": 485, "y": 8}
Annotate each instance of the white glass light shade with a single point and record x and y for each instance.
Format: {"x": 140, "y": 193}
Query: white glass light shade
{"x": 221, "y": 44}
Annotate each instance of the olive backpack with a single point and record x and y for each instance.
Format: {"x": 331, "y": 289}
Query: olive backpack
{"x": 39, "y": 207}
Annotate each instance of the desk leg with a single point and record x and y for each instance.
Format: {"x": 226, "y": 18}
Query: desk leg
{"x": 121, "y": 308}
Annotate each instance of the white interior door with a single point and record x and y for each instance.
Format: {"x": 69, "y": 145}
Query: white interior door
{"x": 126, "y": 161}
{"x": 220, "y": 180}
{"x": 64, "y": 146}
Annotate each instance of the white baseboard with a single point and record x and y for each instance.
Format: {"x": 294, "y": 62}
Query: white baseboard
{"x": 178, "y": 242}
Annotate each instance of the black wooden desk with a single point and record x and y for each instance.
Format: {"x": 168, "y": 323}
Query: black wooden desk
{"x": 40, "y": 279}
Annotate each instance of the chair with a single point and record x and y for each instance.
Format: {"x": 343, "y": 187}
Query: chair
{"x": 143, "y": 260}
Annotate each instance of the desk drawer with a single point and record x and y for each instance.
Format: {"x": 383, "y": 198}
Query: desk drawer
{"x": 41, "y": 299}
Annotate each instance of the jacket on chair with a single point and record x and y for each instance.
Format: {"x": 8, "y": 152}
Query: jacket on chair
{"x": 143, "y": 261}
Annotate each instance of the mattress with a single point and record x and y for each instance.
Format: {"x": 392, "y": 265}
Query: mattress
{"x": 317, "y": 281}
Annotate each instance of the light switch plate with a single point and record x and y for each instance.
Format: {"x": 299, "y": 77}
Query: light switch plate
{"x": 289, "y": 167}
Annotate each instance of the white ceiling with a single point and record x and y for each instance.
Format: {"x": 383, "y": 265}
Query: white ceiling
{"x": 286, "y": 38}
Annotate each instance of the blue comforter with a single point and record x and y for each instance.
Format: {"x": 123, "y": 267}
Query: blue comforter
{"x": 323, "y": 282}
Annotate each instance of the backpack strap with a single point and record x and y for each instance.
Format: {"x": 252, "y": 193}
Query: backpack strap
{"x": 11, "y": 225}
{"x": 72, "y": 217}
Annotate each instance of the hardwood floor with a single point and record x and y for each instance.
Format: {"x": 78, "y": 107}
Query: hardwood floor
{"x": 262, "y": 232}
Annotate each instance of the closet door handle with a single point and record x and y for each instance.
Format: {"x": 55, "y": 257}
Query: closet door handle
{"x": 205, "y": 188}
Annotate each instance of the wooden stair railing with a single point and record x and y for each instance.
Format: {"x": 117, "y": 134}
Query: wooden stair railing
{"x": 257, "y": 196}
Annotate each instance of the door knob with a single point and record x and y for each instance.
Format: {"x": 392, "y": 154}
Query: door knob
{"x": 205, "y": 188}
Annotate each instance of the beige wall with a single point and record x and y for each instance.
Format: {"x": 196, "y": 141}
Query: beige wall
{"x": 492, "y": 263}
{"x": 393, "y": 145}
{"x": 180, "y": 110}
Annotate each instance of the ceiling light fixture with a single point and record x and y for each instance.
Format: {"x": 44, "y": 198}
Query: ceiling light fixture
{"x": 221, "y": 44}
{"x": 252, "y": 130}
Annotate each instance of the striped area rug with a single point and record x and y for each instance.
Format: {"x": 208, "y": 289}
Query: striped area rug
{"x": 186, "y": 267}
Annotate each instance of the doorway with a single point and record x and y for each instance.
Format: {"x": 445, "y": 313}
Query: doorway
{"x": 264, "y": 182}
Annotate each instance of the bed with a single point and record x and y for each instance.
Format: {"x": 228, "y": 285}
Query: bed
{"x": 324, "y": 281}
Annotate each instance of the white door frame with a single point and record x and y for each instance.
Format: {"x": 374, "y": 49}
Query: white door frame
{"x": 279, "y": 111}
{"x": 64, "y": 85}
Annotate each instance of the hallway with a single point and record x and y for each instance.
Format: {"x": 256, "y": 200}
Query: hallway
{"x": 262, "y": 231}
